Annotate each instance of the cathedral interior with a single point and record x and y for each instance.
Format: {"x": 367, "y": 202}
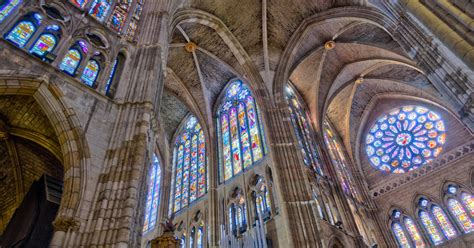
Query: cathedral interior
{"x": 268, "y": 124}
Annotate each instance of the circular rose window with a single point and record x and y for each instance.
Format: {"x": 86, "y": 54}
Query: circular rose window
{"x": 405, "y": 139}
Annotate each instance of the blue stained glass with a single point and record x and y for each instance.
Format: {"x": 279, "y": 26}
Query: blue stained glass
{"x": 21, "y": 33}
{"x": 71, "y": 61}
{"x": 7, "y": 7}
{"x": 44, "y": 44}
{"x": 200, "y": 237}
{"x": 189, "y": 165}
{"x": 240, "y": 134}
{"x": 99, "y": 9}
{"x": 405, "y": 139}
{"x": 90, "y": 73}
{"x": 153, "y": 194}
{"x": 111, "y": 76}
{"x": 53, "y": 28}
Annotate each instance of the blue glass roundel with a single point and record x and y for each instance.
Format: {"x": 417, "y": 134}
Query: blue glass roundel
{"x": 405, "y": 139}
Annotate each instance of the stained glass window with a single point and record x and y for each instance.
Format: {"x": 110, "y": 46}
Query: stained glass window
{"x": 90, "y": 73}
{"x": 79, "y": 3}
{"x": 430, "y": 227}
{"x": 189, "y": 166}
{"x": 6, "y": 8}
{"x": 153, "y": 195}
{"x": 468, "y": 201}
{"x": 71, "y": 61}
{"x": 119, "y": 16}
{"x": 400, "y": 236}
{"x": 338, "y": 158}
{"x": 99, "y": 9}
{"x": 132, "y": 27}
{"x": 303, "y": 129}
{"x": 44, "y": 44}
{"x": 405, "y": 139}
{"x": 460, "y": 215}
{"x": 443, "y": 222}
{"x": 200, "y": 236}
{"x": 111, "y": 76}
{"x": 239, "y": 130}
{"x": 21, "y": 33}
{"x": 183, "y": 241}
{"x": 414, "y": 233}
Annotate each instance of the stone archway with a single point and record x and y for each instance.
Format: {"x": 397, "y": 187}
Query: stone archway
{"x": 74, "y": 148}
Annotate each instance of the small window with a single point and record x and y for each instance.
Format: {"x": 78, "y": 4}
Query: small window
{"x": 21, "y": 33}
{"x": 71, "y": 61}
{"x": 89, "y": 76}
{"x": 99, "y": 9}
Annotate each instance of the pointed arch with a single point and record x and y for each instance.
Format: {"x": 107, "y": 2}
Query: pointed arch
{"x": 240, "y": 133}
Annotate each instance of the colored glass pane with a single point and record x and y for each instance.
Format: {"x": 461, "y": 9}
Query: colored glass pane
{"x": 254, "y": 129}
{"x": 414, "y": 233}
{"x": 201, "y": 165}
{"x": 187, "y": 160}
{"x": 468, "y": 201}
{"x": 189, "y": 166}
{"x": 152, "y": 200}
{"x": 234, "y": 134}
{"x": 132, "y": 27}
{"x": 303, "y": 129}
{"x": 119, "y": 16}
{"x": 400, "y": 236}
{"x": 71, "y": 61}
{"x": 339, "y": 159}
{"x": 244, "y": 136}
{"x": 90, "y": 73}
{"x": 460, "y": 215}
{"x": 226, "y": 147}
{"x": 183, "y": 241}
{"x": 430, "y": 228}
{"x": 45, "y": 43}
{"x": 200, "y": 237}
{"x": 179, "y": 173}
{"x": 443, "y": 222}
{"x": 7, "y": 7}
{"x": 405, "y": 139}
{"x": 21, "y": 33}
{"x": 193, "y": 169}
{"x": 79, "y": 3}
{"x": 240, "y": 132}
{"x": 99, "y": 9}
{"x": 83, "y": 45}
{"x": 111, "y": 76}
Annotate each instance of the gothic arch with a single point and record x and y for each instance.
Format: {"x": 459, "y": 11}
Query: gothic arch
{"x": 74, "y": 147}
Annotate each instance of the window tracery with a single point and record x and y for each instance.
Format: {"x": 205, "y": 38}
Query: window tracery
{"x": 47, "y": 41}
{"x": 405, "y": 139}
{"x": 189, "y": 165}
{"x": 261, "y": 199}
{"x": 153, "y": 195}
{"x": 237, "y": 213}
{"x": 22, "y": 32}
{"x": 240, "y": 133}
{"x": 303, "y": 129}
{"x": 73, "y": 57}
{"x": 90, "y": 73}
{"x": 338, "y": 158}
{"x": 435, "y": 222}
{"x": 406, "y": 231}
{"x": 458, "y": 206}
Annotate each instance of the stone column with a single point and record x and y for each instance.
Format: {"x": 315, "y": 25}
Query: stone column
{"x": 117, "y": 216}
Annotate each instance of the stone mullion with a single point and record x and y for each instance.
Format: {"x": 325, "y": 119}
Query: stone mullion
{"x": 297, "y": 204}
{"x": 344, "y": 210}
{"x": 441, "y": 70}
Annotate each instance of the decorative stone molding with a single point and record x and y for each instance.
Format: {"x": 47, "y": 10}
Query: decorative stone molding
{"x": 398, "y": 181}
{"x": 190, "y": 47}
{"x": 65, "y": 223}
